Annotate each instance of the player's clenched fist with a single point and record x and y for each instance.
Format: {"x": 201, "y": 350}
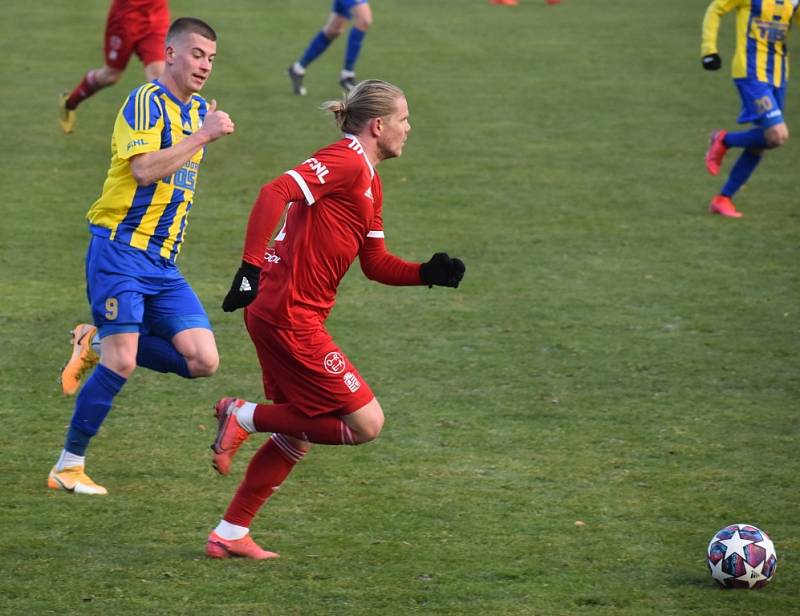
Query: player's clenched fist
{"x": 442, "y": 271}
{"x": 217, "y": 123}
{"x": 244, "y": 287}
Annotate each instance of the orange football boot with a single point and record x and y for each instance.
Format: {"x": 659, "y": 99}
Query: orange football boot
{"x": 217, "y": 547}
{"x": 83, "y": 358}
{"x": 723, "y": 206}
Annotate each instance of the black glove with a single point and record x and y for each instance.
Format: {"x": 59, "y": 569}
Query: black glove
{"x": 443, "y": 271}
{"x": 244, "y": 288}
{"x": 712, "y": 62}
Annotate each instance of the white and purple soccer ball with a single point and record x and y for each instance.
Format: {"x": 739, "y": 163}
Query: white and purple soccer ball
{"x": 742, "y": 556}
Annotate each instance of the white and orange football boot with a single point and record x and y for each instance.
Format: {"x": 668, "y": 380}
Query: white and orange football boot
{"x": 73, "y": 479}
{"x": 83, "y": 359}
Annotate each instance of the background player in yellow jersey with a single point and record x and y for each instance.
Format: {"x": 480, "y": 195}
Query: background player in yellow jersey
{"x": 145, "y": 312}
{"x": 760, "y": 67}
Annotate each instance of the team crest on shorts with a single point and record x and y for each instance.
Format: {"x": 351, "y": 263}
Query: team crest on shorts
{"x": 352, "y": 382}
{"x": 334, "y": 362}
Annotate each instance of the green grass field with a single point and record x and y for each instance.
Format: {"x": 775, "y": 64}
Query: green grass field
{"x": 616, "y": 355}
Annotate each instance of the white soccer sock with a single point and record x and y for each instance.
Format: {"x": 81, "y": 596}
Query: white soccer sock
{"x": 67, "y": 459}
{"x": 231, "y": 532}
{"x": 298, "y": 69}
{"x": 244, "y": 415}
{"x": 346, "y": 74}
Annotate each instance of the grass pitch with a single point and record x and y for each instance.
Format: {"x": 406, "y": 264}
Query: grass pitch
{"x": 616, "y": 356}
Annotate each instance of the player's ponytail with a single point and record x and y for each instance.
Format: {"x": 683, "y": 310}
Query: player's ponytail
{"x": 370, "y": 99}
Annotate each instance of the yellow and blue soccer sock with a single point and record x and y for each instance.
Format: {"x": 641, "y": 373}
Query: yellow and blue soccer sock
{"x": 354, "y": 41}
{"x": 91, "y": 407}
{"x": 741, "y": 172}
{"x": 315, "y": 48}
{"x": 160, "y": 355}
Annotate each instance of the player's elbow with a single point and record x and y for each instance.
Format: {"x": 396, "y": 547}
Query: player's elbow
{"x": 140, "y": 173}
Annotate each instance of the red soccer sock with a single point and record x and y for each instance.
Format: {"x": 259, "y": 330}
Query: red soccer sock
{"x": 266, "y": 472}
{"x": 85, "y": 89}
{"x": 286, "y": 419}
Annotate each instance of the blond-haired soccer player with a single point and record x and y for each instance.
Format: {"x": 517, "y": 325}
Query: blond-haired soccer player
{"x": 760, "y": 69}
{"x": 145, "y": 311}
{"x": 335, "y": 215}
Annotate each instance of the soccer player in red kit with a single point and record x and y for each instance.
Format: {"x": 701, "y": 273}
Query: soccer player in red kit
{"x": 334, "y": 215}
{"x": 131, "y": 26}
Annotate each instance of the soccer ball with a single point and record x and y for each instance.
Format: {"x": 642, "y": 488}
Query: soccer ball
{"x": 742, "y": 556}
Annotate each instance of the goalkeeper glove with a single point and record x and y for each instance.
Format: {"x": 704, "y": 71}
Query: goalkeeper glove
{"x": 712, "y": 62}
{"x": 244, "y": 287}
{"x": 443, "y": 271}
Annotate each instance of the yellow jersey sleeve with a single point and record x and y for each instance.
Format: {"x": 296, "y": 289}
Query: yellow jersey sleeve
{"x": 711, "y": 22}
{"x": 139, "y": 123}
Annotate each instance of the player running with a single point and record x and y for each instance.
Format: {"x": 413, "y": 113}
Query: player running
{"x": 145, "y": 311}
{"x": 334, "y": 215}
{"x": 760, "y": 69}
{"x": 131, "y": 26}
{"x": 342, "y": 11}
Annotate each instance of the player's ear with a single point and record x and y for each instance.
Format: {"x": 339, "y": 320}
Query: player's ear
{"x": 376, "y": 126}
{"x": 170, "y": 54}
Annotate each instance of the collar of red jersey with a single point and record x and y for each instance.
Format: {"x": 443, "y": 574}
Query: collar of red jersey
{"x": 360, "y": 149}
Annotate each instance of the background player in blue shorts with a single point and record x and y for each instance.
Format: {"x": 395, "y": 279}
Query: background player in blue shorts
{"x": 760, "y": 67}
{"x": 342, "y": 11}
{"x": 145, "y": 312}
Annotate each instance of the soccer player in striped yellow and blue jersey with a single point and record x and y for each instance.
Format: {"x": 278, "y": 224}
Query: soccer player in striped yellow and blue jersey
{"x": 145, "y": 312}
{"x": 760, "y": 69}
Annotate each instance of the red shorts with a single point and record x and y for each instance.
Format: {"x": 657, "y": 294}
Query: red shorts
{"x": 306, "y": 369}
{"x": 142, "y": 30}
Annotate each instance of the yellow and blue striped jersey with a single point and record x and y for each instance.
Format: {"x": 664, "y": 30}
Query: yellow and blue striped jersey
{"x": 761, "y": 30}
{"x": 151, "y": 218}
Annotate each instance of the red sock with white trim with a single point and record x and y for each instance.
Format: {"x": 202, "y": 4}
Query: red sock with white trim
{"x": 269, "y": 467}
{"x": 84, "y": 90}
{"x": 287, "y": 419}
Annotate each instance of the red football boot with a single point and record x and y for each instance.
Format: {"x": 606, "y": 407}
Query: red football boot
{"x": 723, "y": 206}
{"x": 217, "y": 547}
{"x": 716, "y": 151}
{"x": 230, "y": 435}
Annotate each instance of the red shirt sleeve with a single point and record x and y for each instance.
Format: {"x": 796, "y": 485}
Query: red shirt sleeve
{"x": 265, "y": 215}
{"x": 380, "y": 265}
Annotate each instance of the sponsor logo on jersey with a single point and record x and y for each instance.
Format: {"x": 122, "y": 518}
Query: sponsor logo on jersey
{"x": 334, "y": 362}
{"x": 136, "y": 143}
{"x": 352, "y": 382}
{"x": 318, "y": 168}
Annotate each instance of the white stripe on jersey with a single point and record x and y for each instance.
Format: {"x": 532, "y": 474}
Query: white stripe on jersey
{"x": 303, "y": 186}
{"x": 375, "y": 234}
{"x": 356, "y": 146}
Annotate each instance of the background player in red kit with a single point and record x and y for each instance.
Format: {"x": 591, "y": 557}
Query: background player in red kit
{"x": 334, "y": 215}
{"x": 132, "y": 26}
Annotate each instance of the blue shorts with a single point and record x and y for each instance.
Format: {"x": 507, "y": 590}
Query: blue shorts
{"x": 342, "y": 7}
{"x": 131, "y": 290}
{"x": 762, "y": 103}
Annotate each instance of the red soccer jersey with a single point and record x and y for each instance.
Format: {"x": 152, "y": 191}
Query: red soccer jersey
{"x": 335, "y": 205}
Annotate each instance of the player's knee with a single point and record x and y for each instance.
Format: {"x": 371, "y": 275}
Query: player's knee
{"x": 204, "y": 364}
{"x": 124, "y": 365}
{"x": 363, "y": 23}
{"x": 370, "y": 429}
{"x": 777, "y": 137}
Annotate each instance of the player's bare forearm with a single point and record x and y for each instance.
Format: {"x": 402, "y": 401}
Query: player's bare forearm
{"x": 149, "y": 167}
